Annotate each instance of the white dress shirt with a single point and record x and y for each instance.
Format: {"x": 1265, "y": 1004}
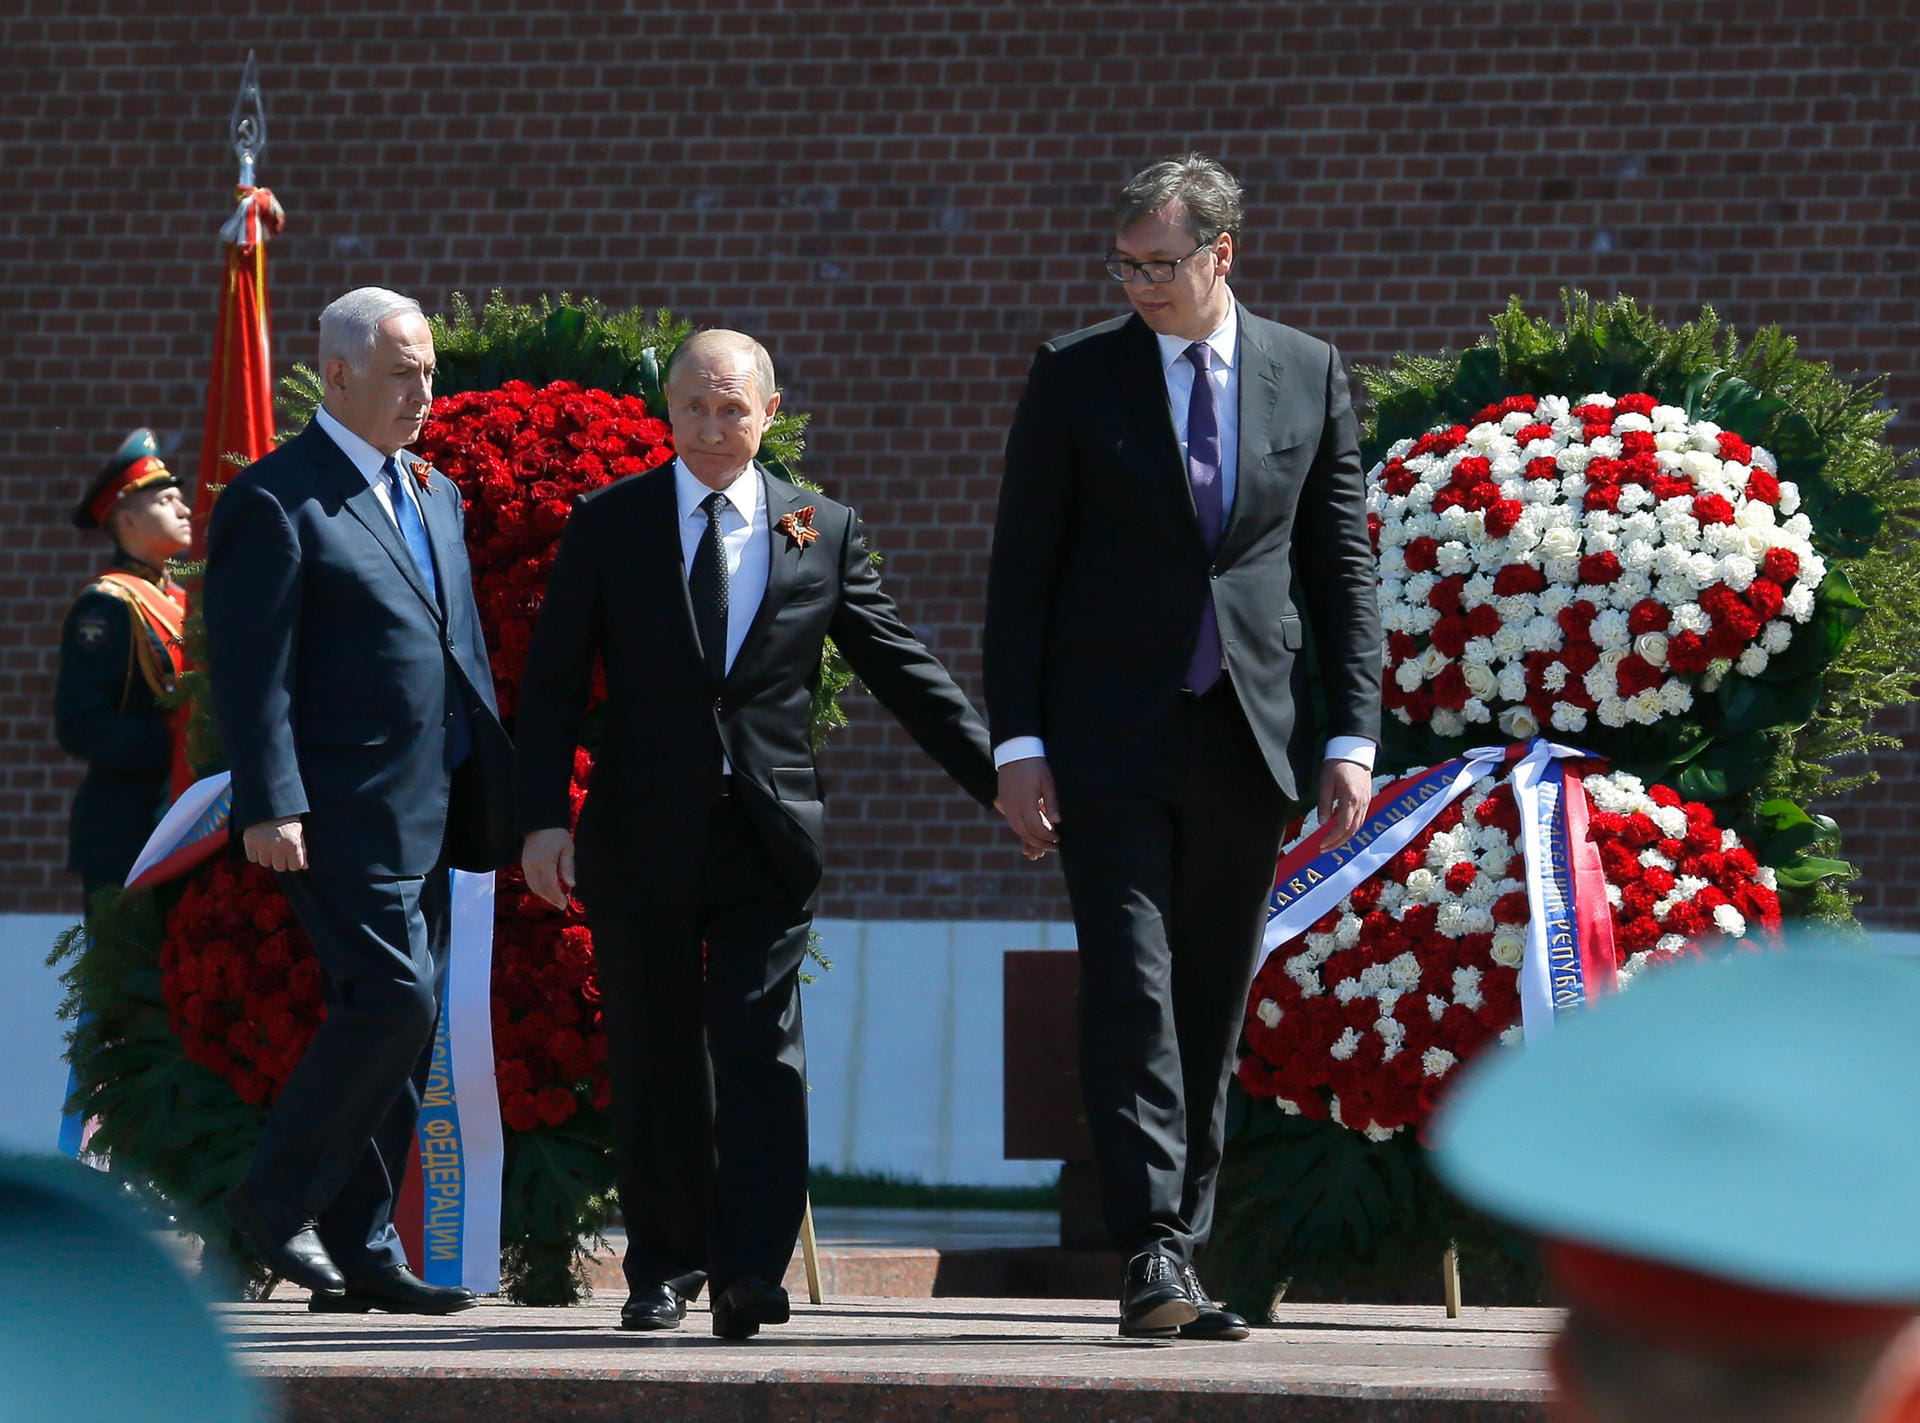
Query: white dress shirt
{"x": 1179, "y": 373}
{"x": 369, "y": 461}
{"x": 743, "y": 531}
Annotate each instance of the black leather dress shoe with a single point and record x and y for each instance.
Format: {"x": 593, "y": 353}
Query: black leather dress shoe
{"x": 297, "y": 1255}
{"x": 745, "y": 1304}
{"x": 1153, "y": 1299}
{"x": 661, "y": 1307}
{"x": 397, "y": 1290}
{"x": 1213, "y": 1321}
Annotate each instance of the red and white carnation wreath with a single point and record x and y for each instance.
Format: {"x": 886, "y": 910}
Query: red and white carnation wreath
{"x": 1556, "y": 560}
{"x": 1363, "y": 1017}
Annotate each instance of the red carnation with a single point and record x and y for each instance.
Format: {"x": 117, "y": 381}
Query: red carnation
{"x": 1502, "y": 515}
{"x": 1483, "y": 621}
{"x": 1648, "y": 615}
{"x": 1765, "y": 598}
{"x": 1782, "y": 565}
{"x": 1687, "y": 652}
{"x": 1635, "y": 675}
{"x": 1638, "y": 403}
{"x": 1600, "y": 568}
{"x": 1712, "y": 509}
{"x": 1422, "y": 554}
{"x": 1518, "y": 578}
{"x": 1446, "y": 594}
{"x": 1460, "y": 876}
{"x": 1511, "y": 908}
{"x": 1763, "y": 487}
{"x": 1733, "y": 448}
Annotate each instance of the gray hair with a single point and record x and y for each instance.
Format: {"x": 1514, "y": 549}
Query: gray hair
{"x": 718, "y": 338}
{"x": 350, "y": 326}
{"x": 1208, "y": 195}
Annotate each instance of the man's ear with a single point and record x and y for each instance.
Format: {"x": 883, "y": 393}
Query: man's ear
{"x": 333, "y": 376}
{"x": 773, "y": 405}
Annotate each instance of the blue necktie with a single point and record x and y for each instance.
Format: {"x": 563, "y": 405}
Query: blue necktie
{"x": 1209, "y": 503}
{"x": 413, "y": 533}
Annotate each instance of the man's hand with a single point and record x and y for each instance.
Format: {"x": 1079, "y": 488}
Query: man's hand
{"x": 546, "y": 858}
{"x": 278, "y": 844}
{"x": 1028, "y": 801}
{"x": 1345, "y": 792}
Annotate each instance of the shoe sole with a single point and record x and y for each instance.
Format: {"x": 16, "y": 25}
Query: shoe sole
{"x": 1163, "y": 1321}
{"x": 648, "y": 1326}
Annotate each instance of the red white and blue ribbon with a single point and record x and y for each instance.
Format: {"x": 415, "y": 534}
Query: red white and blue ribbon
{"x": 448, "y": 1214}
{"x": 194, "y": 829}
{"x": 1569, "y": 957}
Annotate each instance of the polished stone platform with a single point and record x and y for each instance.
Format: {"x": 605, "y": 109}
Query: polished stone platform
{"x": 900, "y": 1361}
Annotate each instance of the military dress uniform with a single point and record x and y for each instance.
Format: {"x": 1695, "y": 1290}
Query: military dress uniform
{"x": 1720, "y": 1165}
{"x": 117, "y": 658}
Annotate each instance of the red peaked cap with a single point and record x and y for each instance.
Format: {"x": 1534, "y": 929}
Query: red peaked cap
{"x": 1668, "y": 1304}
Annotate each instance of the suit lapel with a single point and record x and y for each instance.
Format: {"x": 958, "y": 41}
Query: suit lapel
{"x": 361, "y": 502}
{"x": 1259, "y": 394}
{"x": 1143, "y": 389}
{"x": 659, "y": 535}
{"x": 778, "y": 499}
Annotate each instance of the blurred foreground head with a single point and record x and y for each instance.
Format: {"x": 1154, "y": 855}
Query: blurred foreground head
{"x": 1721, "y": 1165}
{"x": 96, "y": 1321}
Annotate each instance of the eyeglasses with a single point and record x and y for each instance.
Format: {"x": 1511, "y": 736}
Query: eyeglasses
{"x": 1159, "y": 271}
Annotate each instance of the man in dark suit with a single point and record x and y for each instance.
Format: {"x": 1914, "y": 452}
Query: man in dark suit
{"x": 352, "y": 692}
{"x": 707, "y": 588}
{"x": 1181, "y": 486}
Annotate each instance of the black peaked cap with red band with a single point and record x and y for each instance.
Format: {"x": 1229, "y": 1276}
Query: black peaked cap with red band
{"x": 135, "y": 465}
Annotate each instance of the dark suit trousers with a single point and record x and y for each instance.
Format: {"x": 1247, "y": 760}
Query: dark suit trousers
{"x": 700, "y": 994}
{"x": 1169, "y": 885}
{"x": 340, "y": 1138}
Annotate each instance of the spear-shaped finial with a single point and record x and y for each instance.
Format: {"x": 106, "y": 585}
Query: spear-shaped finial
{"x": 249, "y": 123}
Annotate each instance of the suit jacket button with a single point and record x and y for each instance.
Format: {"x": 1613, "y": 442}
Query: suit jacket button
{"x": 719, "y": 705}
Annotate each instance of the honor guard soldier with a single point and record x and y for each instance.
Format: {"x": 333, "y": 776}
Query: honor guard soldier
{"x": 1720, "y": 1165}
{"x": 119, "y": 653}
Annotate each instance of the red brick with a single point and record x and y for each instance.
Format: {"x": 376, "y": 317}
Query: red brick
{"x": 817, "y": 172}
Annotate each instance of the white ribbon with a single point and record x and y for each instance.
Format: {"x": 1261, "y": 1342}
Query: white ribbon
{"x": 1549, "y": 897}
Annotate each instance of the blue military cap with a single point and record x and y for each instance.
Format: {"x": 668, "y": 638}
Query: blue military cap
{"x": 1752, "y": 1118}
{"x": 134, "y": 465}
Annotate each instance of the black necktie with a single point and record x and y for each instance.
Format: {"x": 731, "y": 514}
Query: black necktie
{"x": 707, "y": 584}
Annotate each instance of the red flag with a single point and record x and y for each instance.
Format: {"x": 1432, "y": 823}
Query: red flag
{"x": 240, "y": 389}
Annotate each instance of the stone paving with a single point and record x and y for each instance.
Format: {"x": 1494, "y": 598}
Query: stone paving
{"x": 898, "y": 1360}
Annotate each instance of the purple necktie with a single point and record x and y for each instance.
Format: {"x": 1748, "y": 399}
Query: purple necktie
{"x": 1209, "y": 504}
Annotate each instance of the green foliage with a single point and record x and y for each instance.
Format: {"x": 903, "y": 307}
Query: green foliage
{"x": 176, "y": 1134}
{"x": 1313, "y": 1210}
{"x": 1781, "y": 736}
{"x": 556, "y": 1181}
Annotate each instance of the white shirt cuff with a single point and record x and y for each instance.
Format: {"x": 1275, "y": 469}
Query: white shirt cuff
{"x": 1017, "y": 748}
{"x": 1356, "y": 749}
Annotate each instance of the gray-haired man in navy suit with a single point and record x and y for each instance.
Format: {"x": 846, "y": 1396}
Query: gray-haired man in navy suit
{"x": 352, "y": 692}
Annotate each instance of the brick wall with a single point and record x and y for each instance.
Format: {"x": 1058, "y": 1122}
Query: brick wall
{"x": 902, "y": 198}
